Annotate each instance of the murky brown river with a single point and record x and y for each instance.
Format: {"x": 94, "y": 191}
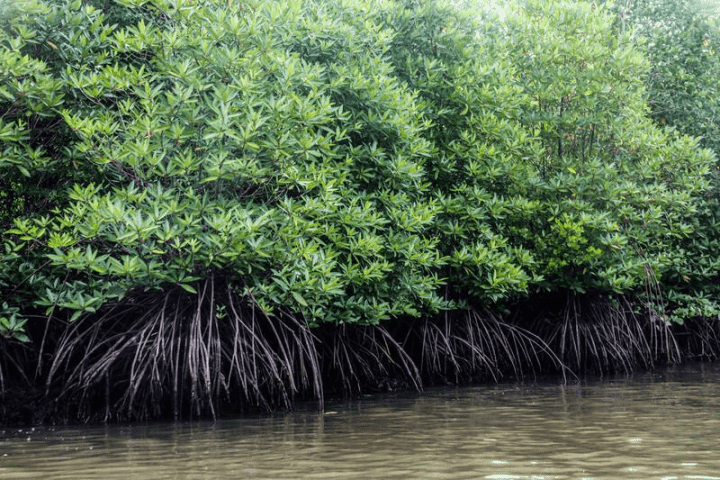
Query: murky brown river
{"x": 661, "y": 425}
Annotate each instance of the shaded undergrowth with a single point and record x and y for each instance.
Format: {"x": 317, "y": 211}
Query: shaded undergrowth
{"x": 605, "y": 334}
{"x": 172, "y": 354}
{"x": 16, "y": 395}
{"x": 471, "y": 345}
{"x": 699, "y": 338}
{"x": 359, "y": 358}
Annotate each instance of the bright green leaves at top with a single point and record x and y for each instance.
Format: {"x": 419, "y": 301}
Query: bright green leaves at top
{"x": 474, "y": 171}
{"x": 28, "y": 93}
{"x": 582, "y": 78}
{"x": 682, "y": 46}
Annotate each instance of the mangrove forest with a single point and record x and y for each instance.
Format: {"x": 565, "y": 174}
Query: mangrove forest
{"x": 218, "y": 206}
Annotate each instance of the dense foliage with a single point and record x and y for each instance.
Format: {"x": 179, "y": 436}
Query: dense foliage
{"x": 681, "y": 43}
{"x": 333, "y": 163}
{"x": 208, "y": 144}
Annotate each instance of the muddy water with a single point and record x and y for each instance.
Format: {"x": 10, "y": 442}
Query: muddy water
{"x": 661, "y": 425}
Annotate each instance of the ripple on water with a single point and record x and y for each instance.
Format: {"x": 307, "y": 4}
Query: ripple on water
{"x": 660, "y": 426}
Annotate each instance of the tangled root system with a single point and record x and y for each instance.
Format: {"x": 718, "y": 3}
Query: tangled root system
{"x": 184, "y": 353}
{"x": 173, "y": 354}
{"x": 604, "y": 334}
{"x": 472, "y": 345}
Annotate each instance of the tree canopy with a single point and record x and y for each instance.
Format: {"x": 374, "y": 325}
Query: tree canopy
{"x": 349, "y": 162}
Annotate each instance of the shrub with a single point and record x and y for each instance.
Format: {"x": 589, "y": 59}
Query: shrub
{"x": 340, "y": 161}
{"x": 320, "y": 163}
{"x": 680, "y": 41}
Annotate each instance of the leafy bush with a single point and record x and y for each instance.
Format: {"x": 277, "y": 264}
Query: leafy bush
{"x": 571, "y": 184}
{"x": 347, "y": 163}
{"x": 682, "y": 46}
{"x": 200, "y": 182}
{"x": 682, "y": 90}
{"x": 210, "y": 144}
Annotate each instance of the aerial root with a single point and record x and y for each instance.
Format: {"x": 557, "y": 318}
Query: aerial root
{"x": 174, "y": 354}
{"x": 471, "y": 345}
{"x": 700, "y": 338}
{"x": 605, "y": 334}
{"x": 189, "y": 355}
{"x": 358, "y": 357}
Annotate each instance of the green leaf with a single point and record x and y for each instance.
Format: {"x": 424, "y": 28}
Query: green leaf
{"x": 299, "y": 299}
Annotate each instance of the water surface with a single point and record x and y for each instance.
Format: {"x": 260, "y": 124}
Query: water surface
{"x": 661, "y": 425}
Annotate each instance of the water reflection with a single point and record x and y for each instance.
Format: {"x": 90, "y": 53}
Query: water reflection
{"x": 663, "y": 425}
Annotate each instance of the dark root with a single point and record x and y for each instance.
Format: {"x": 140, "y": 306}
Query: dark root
{"x": 472, "y": 346}
{"x": 186, "y": 355}
{"x": 17, "y": 396}
{"x": 604, "y": 334}
{"x": 360, "y": 358}
{"x": 700, "y": 338}
{"x": 173, "y": 354}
